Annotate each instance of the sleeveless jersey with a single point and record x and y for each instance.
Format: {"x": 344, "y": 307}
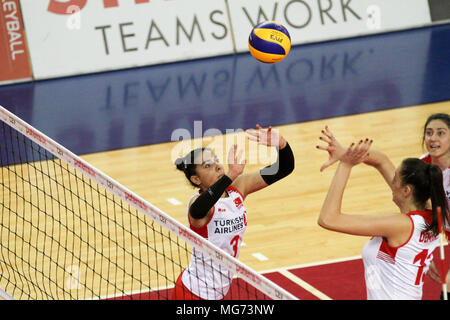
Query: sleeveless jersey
{"x": 225, "y": 229}
{"x": 446, "y": 180}
{"x": 396, "y": 273}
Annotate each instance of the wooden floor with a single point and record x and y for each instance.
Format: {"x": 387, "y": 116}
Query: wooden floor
{"x": 282, "y": 219}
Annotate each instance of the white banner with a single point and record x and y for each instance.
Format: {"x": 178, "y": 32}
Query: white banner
{"x": 80, "y": 36}
{"x": 72, "y": 37}
{"x": 320, "y": 20}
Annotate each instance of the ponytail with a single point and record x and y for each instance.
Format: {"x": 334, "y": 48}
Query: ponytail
{"x": 187, "y": 164}
{"x": 438, "y": 198}
{"x": 427, "y": 183}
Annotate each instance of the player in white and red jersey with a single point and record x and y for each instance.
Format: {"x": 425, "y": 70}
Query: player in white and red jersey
{"x": 436, "y": 138}
{"x": 217, "y": 211}
{"x": 400, "y": 252}
{"x": 225, "y": 229}
{"x": 396, "y": 273}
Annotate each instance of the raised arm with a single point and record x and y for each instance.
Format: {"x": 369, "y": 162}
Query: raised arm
{"x": 284, "y": 165}
{"x": 201, "y": 207}
{"x": 393, "y": 227}
{"x": 376, "y": 159}
{"x": 383, "y": 164}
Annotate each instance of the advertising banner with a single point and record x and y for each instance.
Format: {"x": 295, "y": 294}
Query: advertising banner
{"x": 80, "y": 36}
{"x": 320, "y": 20}
{"x": 14, "y": 59}
{"x": 75, "y": 37}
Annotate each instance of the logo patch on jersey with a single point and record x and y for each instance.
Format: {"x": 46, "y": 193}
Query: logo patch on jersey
{"x": 238, "y": 203}
{"x": 229, "y": 225}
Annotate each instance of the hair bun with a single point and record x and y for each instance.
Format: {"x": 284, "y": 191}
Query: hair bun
{"x": 180, "y": 164}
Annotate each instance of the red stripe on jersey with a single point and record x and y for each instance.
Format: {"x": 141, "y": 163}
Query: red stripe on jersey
{"x": 427, "y": 215}
{"x": 385, "y": 257}
{"x": 426, "y": 158}
{"x": 203, "y": 230}
{"x": 386, "y": 252}
{"x": 231, "y": 187}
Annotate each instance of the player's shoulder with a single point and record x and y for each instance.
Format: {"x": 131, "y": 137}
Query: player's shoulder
{"x": 426, "y": 157}
{"x": 233, "y": 188}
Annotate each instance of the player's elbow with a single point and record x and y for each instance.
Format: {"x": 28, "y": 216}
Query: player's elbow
{"x": 322, "y": 222}
{"x": 326, "y": 222}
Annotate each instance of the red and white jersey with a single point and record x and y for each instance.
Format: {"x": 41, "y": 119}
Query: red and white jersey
{"x": 446, "y": 180}
{"x": 396, "y": 273}
{"x": 225, "y": 229}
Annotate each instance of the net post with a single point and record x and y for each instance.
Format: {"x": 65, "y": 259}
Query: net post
{"x": 442, "y": 254}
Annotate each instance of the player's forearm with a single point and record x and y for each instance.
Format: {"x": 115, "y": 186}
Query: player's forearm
{"x": 331, "y": 208}
{"x": 383, "y": 164}
{"x": 207, "y": 199}
{"x": 281, "y": 168}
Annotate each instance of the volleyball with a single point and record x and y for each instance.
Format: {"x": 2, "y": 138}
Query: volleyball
{"x": 269, "y": 42}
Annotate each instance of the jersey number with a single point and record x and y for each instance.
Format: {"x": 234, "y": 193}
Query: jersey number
{"x": 421, "y": 257}
{"x": 234, "y": 244}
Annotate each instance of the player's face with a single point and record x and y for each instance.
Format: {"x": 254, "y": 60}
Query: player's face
{"x": 209, "y": 170}
{"x": 437, "y": 138}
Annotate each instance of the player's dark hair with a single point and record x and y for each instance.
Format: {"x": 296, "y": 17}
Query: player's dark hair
{"x": 188, "y": 164}
{"x": 444, "y": 117}
{"x": 427, "y": 183}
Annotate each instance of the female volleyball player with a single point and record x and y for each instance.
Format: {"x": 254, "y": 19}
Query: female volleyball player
{"x": 436, "y": 138}
{"x": 400, "y": 251}
{"x": 217, "y": 210}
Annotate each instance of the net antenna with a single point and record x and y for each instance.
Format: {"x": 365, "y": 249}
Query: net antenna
{"x": 19, "y": 269}
{"x": 442, "y": 254}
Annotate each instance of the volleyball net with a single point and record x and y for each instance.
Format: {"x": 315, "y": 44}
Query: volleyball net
{"x": 68, "y": 231}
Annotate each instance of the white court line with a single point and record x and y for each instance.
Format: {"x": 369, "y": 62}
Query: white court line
{"x": 285, "y": 272}
{"x": 310, "y": 264}
{"x": 174, "y": 201}
{"x": 305, "y": 285}
{"x": 260, "y": 256}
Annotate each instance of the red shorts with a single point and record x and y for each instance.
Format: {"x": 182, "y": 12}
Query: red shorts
{"x": 180, "y": 292}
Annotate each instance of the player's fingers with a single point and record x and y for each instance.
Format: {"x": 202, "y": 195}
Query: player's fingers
{"x": 239, "y": 156}
{"x": 322, "y": 148}
{"x": 252, "y": 132}
{"x": 253, "y": 138}
{"x": 252, "y": 135}
{"x": 327, "y": 133}
{"x": 232, "y": 154}
{"x": 325, "y": 139}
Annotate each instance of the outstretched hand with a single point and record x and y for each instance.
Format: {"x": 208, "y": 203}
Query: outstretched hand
{"x": 357, "y": 152}
{"x": 268, "y": 137}
{"x": 235, "y": 163}
{"x": 333, "y": 147}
